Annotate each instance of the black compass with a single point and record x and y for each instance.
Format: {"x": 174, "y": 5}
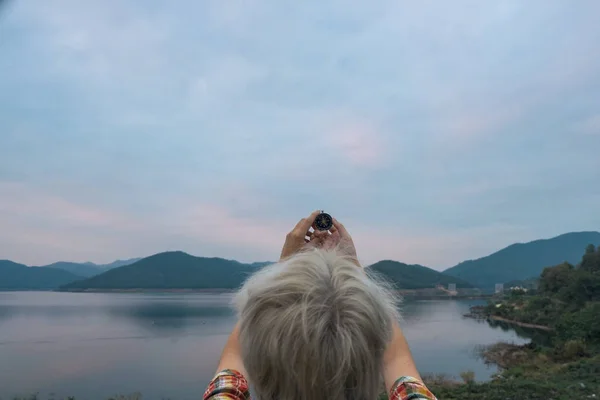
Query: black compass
{"x": 323, "y": 222}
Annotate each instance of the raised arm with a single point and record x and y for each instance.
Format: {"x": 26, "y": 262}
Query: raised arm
{"x": 402, "y": 380}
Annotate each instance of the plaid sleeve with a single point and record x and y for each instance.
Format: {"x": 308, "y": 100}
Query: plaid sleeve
{"x": 409, "y": 388}
{"x": 228, "y": 384}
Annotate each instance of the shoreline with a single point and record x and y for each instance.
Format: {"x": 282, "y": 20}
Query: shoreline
{"x": 519, "y": 323}
{"x": 477, "y": 312}
{"x": 405, "y": 295}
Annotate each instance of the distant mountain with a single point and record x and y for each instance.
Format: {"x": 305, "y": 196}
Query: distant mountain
{"x": 89, "y": 269}
{"x": 522, "y": 261}
{"x": 170, "y": 270}
{"x": 85, "y": 270}
{"x": 178, "y": 270}
{"x": 260, "y": 264}
{"x": 15, "y": 276}
{"x": 118, "y": 263}
{"x": 406, "y": 276}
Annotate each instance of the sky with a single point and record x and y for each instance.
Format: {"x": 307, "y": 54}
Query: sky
{"x": 435, "y": 131}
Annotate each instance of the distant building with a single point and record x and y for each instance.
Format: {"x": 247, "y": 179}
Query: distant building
{"x": 518, "y": 289}
{"x": 499, "y": 288}
{"x": 452, "y": 287}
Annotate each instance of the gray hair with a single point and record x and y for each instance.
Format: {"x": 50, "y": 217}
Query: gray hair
{"x": 315, "y": 327}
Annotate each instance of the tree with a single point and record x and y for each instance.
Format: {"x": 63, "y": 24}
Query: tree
{"x": 590, "y": 249}
{"x": 583, "y": 324}
{"x": 553, "y": 279}
{"x": 591, "y": 259}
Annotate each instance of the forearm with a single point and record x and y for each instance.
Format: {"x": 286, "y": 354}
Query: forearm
{"x": 231, "y": 356}
{"x": 398, "y": 360}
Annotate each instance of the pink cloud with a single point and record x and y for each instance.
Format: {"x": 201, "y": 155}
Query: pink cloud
{"x": 359, "y": 142}
{"x": 217, "y": 224}
{"x": 472, "y": 123}
{"x": 40, "y": 228}
{"x": 29, "y": 204}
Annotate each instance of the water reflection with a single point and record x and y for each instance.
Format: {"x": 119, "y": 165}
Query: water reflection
{"x": 5, "y": 313}
{"x": 93, "y": 345}
{"x": 170, "y": 316}
{"x": 536, "y": 335}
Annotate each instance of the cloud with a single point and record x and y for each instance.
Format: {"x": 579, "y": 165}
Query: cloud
{"x": 20, "y": 201}
{"x": 589, "y": 126}
{"x": 128, "y": 128}
{"x": 357, "y": 141}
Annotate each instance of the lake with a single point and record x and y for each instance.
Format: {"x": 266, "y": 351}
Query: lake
{"x": 93, "y": 345}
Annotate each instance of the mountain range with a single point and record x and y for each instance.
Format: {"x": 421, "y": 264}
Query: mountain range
{"x": 15, "y": 276}
{"x": 89, "y": 269}
{"x": 178, "y": 270}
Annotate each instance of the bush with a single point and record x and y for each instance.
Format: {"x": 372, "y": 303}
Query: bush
{"x": 583, "y": 325}
{"x": 572, "y": 349}
{"x": 468, "y": 377}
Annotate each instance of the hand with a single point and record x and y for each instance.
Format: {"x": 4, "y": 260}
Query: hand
{"x": 336, "y": 238}
{"x": 296, "y": 239}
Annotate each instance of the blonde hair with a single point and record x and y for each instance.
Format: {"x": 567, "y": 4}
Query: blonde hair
{"x": 315, "y": 327}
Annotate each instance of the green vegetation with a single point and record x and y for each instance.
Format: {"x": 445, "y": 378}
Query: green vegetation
{"x": 567, "y": 299}
{"x": 405, "y": 276}
{"x": 523, "y": 261}
{"x": 15, "y": 276}
{"x": 564, "y": 365}
{"x": 533, "y": 380}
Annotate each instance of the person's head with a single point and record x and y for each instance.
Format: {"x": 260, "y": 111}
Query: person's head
{"x": 314, "y": 326}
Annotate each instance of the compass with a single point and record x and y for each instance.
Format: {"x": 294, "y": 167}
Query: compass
{"x": 323, "y": 222}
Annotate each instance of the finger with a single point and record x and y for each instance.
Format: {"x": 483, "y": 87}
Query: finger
{"x": 336, "y": 235}
{"x": 305, "y": 223}
{"x": 340, "y": 228}
{"x": 309, "y": 234}
{"x": 320, "y": 234}
{"x": 298, "y": 225}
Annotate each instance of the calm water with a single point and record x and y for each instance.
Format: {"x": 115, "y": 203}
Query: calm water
{"x": 167, "y": 345}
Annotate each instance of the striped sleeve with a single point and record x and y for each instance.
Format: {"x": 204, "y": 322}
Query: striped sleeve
{"x": 409, "y": 388}
{"x": 227, "y": 385}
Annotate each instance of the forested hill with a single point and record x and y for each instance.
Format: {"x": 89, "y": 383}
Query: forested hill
{"x": 14, "y": 276}
{"x": 522, "y": 261}
{"x": 405, "y": 276}
{"x": 170, "y": 270}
